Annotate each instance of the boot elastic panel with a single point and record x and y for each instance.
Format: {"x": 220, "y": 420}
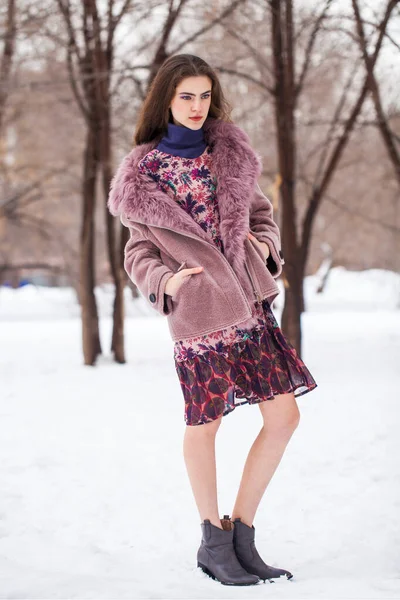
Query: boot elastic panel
{"x": 226, "y": 523}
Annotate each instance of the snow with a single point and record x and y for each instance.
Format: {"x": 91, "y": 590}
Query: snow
{"x": 95, "y": 501}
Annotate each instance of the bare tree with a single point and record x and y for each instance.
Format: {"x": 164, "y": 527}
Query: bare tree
{"x": 24, "y": 229}
{"x": 285, "y": 81}
{"x": 90, "y": 52}
{"x": 387, "y": 135}
{"x": 10, "y": 31}
{"x": 324, "y": 176}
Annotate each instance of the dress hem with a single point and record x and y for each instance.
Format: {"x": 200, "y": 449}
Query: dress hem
{"x": 250, "y": 401}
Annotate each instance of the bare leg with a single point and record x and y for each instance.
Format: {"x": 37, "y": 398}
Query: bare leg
{"x": 281, "y": 417}
{"x": 199, "y": 456}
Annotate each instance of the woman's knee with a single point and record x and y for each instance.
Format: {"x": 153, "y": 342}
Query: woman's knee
{"x": 294, "y": 418}
{"x": 206, "y": 429}
{"x": 283, "y": 417}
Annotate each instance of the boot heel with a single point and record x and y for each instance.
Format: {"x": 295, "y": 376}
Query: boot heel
{"x": 248, "y": 556}
{"x": 217, "y": 552}
{"x": 206, "y": 571}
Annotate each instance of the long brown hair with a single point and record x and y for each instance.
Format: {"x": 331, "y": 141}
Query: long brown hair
{"x": 155, "y": 114}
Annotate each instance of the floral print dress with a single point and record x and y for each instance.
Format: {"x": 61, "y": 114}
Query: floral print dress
{"x": 234, "y": 366}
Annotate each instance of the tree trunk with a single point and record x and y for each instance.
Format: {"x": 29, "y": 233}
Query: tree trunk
{"x": 9, "y": 35}
{"x": 90, "y": 320}
{"x": 101, "y": 67}
{"x": 284, "y": 101}
{"x": 294, "y": 302}
{"x": 116, "y": 267}
{"x": 117, "y": 340}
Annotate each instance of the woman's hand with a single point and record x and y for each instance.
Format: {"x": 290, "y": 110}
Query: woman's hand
{"x": 263, "y": 245}
{"x": 175, "y": 282}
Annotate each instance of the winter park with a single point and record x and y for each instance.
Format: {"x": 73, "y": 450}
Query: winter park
{"x": 199, "y": 233}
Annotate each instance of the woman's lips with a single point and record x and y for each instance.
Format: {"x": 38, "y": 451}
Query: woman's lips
{"x": 195, "y": 118}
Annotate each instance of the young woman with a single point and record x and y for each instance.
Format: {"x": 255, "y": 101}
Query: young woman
{"x": 205, "y": 251}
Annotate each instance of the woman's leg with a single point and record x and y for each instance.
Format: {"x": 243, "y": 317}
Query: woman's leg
{"x": 199, "y": 456}
{"x": 281, "y": 417}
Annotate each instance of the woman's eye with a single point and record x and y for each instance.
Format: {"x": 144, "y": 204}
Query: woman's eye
{"x": 189, "y": 97}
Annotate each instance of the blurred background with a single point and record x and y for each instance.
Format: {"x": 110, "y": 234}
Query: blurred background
{"x": 316, "y": 87}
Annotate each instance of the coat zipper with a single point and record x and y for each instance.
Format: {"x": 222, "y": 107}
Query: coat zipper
{"x": 223, "y": 256}
{"x": 257, "y": 295}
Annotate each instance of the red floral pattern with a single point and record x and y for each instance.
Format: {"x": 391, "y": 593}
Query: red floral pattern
{"x": 233, "y": 366}
{"x": 191, "y": 183}
{"x": 261, "y": 365}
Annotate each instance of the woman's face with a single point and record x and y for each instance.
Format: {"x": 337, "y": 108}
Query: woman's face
{"x": 192, "y": 98}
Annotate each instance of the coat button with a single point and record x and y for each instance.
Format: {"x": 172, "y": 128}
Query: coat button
{"x": 152, "y": 298}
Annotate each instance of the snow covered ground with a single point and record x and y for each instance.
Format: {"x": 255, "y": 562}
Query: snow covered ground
{"x": 95, "y": 500}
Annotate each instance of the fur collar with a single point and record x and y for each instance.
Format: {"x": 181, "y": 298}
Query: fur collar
{"x": 237, "y": 167}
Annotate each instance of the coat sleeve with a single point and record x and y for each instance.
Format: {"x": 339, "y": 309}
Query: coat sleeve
{"x": 264, "y": 228}
{"x": 143, "y": 264}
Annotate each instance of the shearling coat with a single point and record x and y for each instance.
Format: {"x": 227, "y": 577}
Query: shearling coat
{"x": 164, "y": 238}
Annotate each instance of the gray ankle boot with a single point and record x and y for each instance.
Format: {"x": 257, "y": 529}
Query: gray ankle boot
{"x": 246, "y": 551}
{"x": 216, "y": 555}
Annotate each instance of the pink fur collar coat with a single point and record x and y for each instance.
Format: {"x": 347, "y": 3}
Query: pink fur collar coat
{"x": 164, "y": 238}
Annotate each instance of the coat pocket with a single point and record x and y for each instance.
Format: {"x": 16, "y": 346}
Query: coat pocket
{"x": 175, "y": 297}
{"x": 198, "y": 305}
{"x": 259, "y": 250}
{"x": 266, "y": 285}
{"x": 182, "y": 266}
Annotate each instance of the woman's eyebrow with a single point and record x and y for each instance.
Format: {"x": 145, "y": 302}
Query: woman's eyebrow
{"x": 190, "y": 93}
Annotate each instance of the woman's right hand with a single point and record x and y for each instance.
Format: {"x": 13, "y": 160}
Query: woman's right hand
{"x": 175, "y": 282}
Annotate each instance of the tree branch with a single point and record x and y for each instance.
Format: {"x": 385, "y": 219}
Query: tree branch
{"x": 318, "y": 191}
{"x": 373, "y": 86}
{"x": 309, "y": 49}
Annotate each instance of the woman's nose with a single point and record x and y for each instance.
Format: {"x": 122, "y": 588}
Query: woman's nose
{"x": 196, "y": 106}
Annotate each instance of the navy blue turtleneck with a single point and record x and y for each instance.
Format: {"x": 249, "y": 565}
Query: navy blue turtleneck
{"x": 183, "y": 141}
